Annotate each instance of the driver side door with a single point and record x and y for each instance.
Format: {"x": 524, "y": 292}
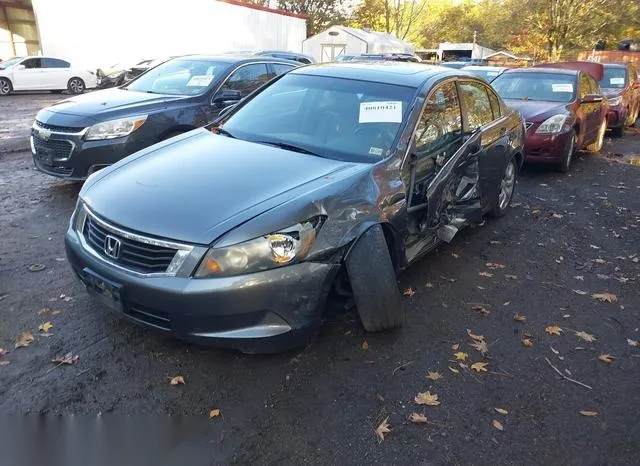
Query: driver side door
{"x": 443, "y": 168}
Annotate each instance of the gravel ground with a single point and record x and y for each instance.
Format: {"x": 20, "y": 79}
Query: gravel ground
{"x": 566, "y": 238}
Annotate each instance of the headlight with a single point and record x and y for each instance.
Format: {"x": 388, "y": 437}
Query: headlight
{"x": 553, "y": 124}
{"x": 78, "y": 217}
{"x": 615, "y": 101}
{"x": 284, "y": 247}
{"x": 115, "y": 128}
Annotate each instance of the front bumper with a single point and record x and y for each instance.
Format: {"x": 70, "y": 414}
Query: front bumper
{"x": 545, "y": 148}
{"x": 256, "y": 313}
{"x": 69, "y": 156}
{"x": 617, "y": 116}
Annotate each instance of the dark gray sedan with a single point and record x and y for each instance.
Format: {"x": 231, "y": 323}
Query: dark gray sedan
{"x": 334, "y": 177}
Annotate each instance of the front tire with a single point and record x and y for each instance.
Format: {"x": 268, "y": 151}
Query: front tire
{"x": 569, "y": 150}
{"x": 76, "y": 86}
{"x": 596, "y": 146}
{"x": 373, "y": 282}
{"x": 5, "y": 87}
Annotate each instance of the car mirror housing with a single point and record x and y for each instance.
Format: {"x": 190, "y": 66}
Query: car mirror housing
{"x": 19, "y": 67}
{"x": 591, "y": 99}
{"x": 226, "y": 97}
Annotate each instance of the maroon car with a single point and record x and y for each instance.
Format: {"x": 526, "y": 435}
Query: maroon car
{"x": 621, "y": 87}
{"x": 564, "y": 111}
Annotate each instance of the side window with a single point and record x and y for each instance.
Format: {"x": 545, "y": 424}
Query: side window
{"x": 32, "y": 63}
{"x": 440, "y": 123}
{"x": 495, "y": 104}
{"x": 247, "y": 78}
{"x": 585, "y": 87}
{"x": 476, "y": 102}
{"x": 279, "y": 68}
{"x": 55, "y": 63}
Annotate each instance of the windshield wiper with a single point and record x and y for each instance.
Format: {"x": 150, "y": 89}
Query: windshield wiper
{"x": 286, "y": 146}
{"x": 224, "y": 132}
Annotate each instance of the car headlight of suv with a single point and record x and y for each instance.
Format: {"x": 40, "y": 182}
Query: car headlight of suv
{"x": 284, "y": 247}
{"x": 552, "y": 124}
{"x": 615, "y": 101}
{"x": 115, "y": 128}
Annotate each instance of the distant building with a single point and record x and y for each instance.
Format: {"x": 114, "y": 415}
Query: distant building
{"x": 449, "y": 51}
{"x": 341, "y": 40}
{"x": 508, "y": 59}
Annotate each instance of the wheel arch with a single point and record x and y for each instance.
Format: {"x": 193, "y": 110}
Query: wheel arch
{"x": 391, "y": 236}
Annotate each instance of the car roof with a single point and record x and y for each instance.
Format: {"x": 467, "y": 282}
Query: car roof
{"x": 385, "y": 72}
{"x": 233, "y": 58}
{"x": 542, "y": 70}
{"x": 481, "y": 68}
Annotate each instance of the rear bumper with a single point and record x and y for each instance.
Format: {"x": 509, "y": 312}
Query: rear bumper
{"x": 256, "y": 313}
{"x": 545, "y": 148}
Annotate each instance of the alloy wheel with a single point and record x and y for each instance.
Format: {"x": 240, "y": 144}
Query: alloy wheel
{"x": 5, "y": 87}
{"x": 506, "y": 185}
{"x": 76, "y": 86}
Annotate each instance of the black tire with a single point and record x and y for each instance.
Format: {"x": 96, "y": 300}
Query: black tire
{"x": 617, "y": 132}
{"x": 373, "y": 282}
{"x": 5, "y": 87}
{"x": 500, "y": 207}
{"x": 569, "y": 150}
{"x": 76, "y": 86}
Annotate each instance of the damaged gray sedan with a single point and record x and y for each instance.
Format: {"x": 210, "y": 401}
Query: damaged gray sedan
{"x": 331, "y": 178}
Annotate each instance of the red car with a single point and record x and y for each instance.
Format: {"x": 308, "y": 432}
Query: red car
{"x": 564, "y": 111}
{"x": 621, "y": 87}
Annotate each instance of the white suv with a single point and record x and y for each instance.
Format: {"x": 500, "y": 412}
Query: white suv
{"x": 43, "y": 74}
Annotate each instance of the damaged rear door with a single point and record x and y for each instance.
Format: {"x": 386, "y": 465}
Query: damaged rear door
{"x": 444, "y": 190}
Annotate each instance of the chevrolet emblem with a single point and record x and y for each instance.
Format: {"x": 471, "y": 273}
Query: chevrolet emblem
{"x": 44, "y": 134}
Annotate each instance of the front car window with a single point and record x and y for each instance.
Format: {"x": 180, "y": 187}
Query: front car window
{"x": 337, "y": 118}
{"x": 279, "y": 68}
{"x": 32, "y": 63}
{"x": 12, "y": 61}
{"x": 550, "y": 87}
{"x": 179, "y": 77}
{"x": 614, "y": 78}
{"x": 477, "y": 104}
{"x": 247, "y": 78}
{"x": 440, "y": 123}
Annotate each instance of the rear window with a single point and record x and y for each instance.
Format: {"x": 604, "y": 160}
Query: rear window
{"x": 536, "y": 86}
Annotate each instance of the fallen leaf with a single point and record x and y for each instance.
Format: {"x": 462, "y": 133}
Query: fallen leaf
{"x": 461, "y": 356}
{"x": 586, "y": 336}
{"x": 418, "y": 418}
{"x": 589, "y": 413}
{"x": 593, "y": 246}
{"x": 5, "y": 363}
{"x": 68, "y": 358}
{"x": 635, "y": 343}
{"x": 580, "y": 292}
{"x": 24, "y": 340}
{"x": 605, "y": 297}
{"x": 497, "y": 425}
{"x": 365, "y": 345}
{"x": 501, "y": 411}
{"x": 606, "y": 358}
{"x": 555, "y": 351}
{"x": 481, "y": 346}
{"x": 428, "y": 285}
{"x": 553, "y": 330}
{"x": 455, "y": 347}
{"x": 45, "y": 327}
{"x": 579, "y": 277}
{"x": 214, "y": 413}
{"x": 43, "y": 311}
{"x": 506, "y": 303}
{"x": 36, "y": 267}
{"x": 493, "y": 266}
{"x": 456, "y": 256}
{"x": 426, "y": 398}
{"x": 455, "y": 371}
{"x": 557, "y": 216}
{"x": 527, "y": 342}
{"x": 409, "y": 292}
{"x": 519, "y": 317}
{"x": 480, "y": 310}
{"x": 479, "y": 366}
{"x": 485, "y": 274}
{"x": 535, "y": 212}
{"x": 475, "y": 337}
{"x": 3, "y": 352}
{"x": 510, "y": 277}
{"x": 434, "y": 375}
{"x": 382, "y": 429}
{"x": 599, "y": 261}
{"x": 178, "y": 379}
{"x": 56, "y": 312}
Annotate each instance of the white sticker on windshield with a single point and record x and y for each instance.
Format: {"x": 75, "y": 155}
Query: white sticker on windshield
{"x": 563, "y": 87}
{"x": 617, "y": 81}
{"x": 200, "y": 81}
{"x": 381, "y": 112}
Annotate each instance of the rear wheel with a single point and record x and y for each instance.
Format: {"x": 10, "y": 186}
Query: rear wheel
{"x": 5, "y": 86}
{"x": 373, "y": 282}
{"x": 596, "y": 146}
{"x": 569, "y": 150}
{"x": 76, "y": 86}
{"x": 507, "y": 187}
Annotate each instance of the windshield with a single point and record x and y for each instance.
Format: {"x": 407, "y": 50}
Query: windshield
{"x": 179, "y": 77}
{"x": 355, "y": 121}
{"x": 614, "y": 78}
{"x": 12, "y": 61}
{"x": 536, "y": 86}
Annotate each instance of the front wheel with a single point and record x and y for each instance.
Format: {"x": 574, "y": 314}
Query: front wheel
{"x": 505, "y": 192}
{"x": 373, "y": 282}
{"x": 5, "y": 87}
{"x": 76, "y": 86}
{"x": 569, "y": 150}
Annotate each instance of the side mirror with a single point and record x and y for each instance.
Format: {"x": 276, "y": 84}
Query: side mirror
{"x": 591, "y": 99}
{"x": 19, "y": 67}
{"x": 226, "y": 97}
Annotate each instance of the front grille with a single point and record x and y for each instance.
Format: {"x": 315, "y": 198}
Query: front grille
{"x": 134, "y": 255}
{"x": 57, "y": 148}
{"x": 59, "y": 129}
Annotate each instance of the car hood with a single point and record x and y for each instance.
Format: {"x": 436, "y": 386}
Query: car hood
{"x": 196, "y": 187}
{"x": 536, "y": 110}
{"x": 110, "y": 101}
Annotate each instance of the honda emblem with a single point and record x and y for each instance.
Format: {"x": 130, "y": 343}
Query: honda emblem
{"x": 112, "y": 246}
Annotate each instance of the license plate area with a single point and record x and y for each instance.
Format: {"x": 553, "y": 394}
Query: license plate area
{"x": 105, "y": 291}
